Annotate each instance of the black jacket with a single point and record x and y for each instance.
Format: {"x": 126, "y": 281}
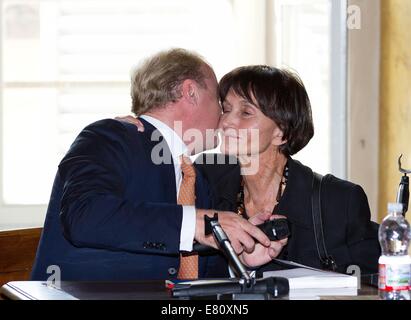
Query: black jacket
{"x": 350, "y": 237}
{"x": 113, "y": 213}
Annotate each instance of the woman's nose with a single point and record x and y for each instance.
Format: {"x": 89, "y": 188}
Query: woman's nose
{"x": 227, "y": 120}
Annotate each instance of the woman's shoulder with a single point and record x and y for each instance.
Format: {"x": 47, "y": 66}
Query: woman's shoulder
{"x": 336, "y": 191}
{"x": 329, "y": 181}
{"x": 347, "y": 193}
{"x": 340, "y": 184}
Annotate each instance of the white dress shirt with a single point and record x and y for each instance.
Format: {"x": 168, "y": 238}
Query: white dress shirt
{"x": 178, "y": 148}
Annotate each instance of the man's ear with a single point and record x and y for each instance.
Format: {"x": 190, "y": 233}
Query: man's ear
{"x": 189, "y": 91}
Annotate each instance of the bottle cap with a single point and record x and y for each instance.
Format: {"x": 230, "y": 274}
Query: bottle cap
{"x": 395, "y": 207}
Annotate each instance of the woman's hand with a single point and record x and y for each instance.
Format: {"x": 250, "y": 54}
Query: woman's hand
{"x": 132, "y": 120}
{"x": 262, "y": 255}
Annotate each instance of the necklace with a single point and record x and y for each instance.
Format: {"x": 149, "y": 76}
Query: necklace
{"x": 240, "y": 195}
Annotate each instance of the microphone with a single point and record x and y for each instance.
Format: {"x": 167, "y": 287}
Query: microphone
{"x": 226, "y": 247}
{"x": 275, "y": 286}
{"x": 403, "y": 194}
{"x": 244, "y": 288}
{"x": 275, "y": 230}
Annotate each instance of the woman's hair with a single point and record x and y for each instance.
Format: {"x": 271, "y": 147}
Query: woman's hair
{"x": 280, "y": 95}
{"x": 157, "y": 81}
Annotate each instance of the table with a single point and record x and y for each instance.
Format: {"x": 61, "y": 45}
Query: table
{"x": 138, "y": 290}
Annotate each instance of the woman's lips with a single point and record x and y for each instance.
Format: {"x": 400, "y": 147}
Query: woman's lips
{"x": 230, "y": 136}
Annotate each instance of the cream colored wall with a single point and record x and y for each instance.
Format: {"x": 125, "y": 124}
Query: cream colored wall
{"x": 363, "y": 71}
{"x": 395, "y": 95}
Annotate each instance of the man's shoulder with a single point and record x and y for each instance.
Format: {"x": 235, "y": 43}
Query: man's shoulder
{"x": 107, "y": 137}
{"x": 112, "y": 131}
{"x": 112, "y": 126}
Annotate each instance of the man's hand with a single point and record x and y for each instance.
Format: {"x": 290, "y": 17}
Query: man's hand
{"x": 132, "y": 120}
{"x": 241, "y": 232}
{"x": 262, "y": 254}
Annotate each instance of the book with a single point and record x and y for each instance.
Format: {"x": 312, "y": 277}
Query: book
{"x": 308, "y": 282}
{"x": 315, "y": 294}
{"x": 302, "y": 278}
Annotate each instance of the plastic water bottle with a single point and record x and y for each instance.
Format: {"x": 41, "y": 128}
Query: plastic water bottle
{"x": 395, "y": 263}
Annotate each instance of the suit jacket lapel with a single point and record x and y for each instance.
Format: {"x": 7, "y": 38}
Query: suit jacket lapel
{"x": 152, "y": 140}
{"x": 160, "y": 156}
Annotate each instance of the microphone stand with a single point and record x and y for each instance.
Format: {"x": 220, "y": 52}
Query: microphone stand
{"x": 403, "y": 193}
{"x": 244, "y": 288}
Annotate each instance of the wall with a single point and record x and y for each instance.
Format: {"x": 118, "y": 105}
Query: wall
{"x": 395, "y": 95}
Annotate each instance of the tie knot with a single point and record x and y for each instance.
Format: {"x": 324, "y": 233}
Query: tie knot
{"x": 187, "y": 167}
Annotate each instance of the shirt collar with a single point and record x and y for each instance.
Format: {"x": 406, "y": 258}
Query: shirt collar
{"x": 174, "y": 142}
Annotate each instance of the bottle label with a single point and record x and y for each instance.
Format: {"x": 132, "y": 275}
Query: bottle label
{"x": 394, "y": 277}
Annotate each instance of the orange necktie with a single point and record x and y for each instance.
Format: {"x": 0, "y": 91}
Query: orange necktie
{"x": 186, "y": 196}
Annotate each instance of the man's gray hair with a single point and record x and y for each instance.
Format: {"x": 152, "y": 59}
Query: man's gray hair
{"x": 157, "y": 81}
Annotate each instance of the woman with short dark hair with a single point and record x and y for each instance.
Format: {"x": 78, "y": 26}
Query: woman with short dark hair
{"x": 266, "y": 119}
{"x": 280, "y": 95}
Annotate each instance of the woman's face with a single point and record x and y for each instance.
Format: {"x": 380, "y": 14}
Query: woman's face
{"x": 245, "y": 130}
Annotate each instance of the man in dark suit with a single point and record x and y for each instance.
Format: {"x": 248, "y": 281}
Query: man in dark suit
{"x": 121, "y": 207}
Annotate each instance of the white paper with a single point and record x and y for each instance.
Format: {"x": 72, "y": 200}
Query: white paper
{"x": 303, "y": 278}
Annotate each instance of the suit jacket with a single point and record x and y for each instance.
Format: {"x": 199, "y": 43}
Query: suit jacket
{"x": 350, "y": 237}
{"x": 113, "y": 213}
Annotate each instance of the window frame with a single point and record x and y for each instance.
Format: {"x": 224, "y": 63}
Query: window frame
{"x": 338, "y": 89}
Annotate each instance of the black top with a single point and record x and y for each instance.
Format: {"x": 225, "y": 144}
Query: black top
{"x": 350, "y": 236}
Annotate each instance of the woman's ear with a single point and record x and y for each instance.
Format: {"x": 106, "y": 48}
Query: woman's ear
{"x": 278, "y": 137}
